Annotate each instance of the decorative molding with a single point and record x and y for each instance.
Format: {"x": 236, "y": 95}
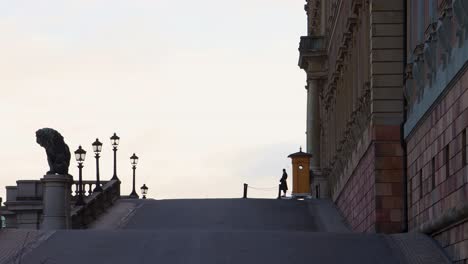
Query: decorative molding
{"x": 443, "y": 54}
{"x": 313, "y": 11}
{"x": 445, "y": 35}
{"x": 344, "y": 48}
{"x": 355, "y": 127}
{"x": 460, "y": 13}
{"x": 436, "y": 49}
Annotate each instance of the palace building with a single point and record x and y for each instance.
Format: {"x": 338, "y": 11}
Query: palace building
{"x": 387, "y": 113}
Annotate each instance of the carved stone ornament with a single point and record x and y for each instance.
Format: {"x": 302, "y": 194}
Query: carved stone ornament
{"x": 429, "y": 54}
{"x": 58, "y": 153}
{"x": 418, "y": 76}
{"x": 444, "y": 35}
{"x": 460, "y": 13}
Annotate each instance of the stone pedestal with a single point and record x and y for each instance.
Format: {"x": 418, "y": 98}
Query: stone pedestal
{"x": 57, "y": 192}
{"x": 319, "y": 186}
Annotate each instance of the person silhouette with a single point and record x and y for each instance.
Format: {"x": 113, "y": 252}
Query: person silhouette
{"x": 283, "y": 183}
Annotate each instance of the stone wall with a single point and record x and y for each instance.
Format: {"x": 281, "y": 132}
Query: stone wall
{"x": 359, "y": 88}
{"x": 454, "y": 241}
{"x": 387, "y": 63}
{"x": 436, "y": 89}
{"x": 371, "y": 200}
{"x": 437, "y": 171}
{"x": 388, "y": 179}
{"x": 357, "y": 200}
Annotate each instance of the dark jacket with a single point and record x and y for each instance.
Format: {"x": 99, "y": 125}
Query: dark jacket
{"x": 283, "y": 184}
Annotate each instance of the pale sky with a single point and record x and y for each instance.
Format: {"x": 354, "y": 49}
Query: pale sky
{"x": 207, "y": 93}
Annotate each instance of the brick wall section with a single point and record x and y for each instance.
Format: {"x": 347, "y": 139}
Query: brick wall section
{"x": 357, "y": 201}
{"x": 387, "y": 46}
{"x": 388, "y": 179}
{"x": 372, "y": 199}
{"x": 455, "y": 242}
{"x": 433, "y": 189}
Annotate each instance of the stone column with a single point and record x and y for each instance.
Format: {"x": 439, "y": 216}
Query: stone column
{"x": 57, "y": 192}
{"x": 313, "y": 124}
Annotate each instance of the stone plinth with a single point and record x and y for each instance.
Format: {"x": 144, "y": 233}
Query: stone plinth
{"x": 319, "y": 186}
{"x": 24, "y": 204}
{"x": 57, "y": 189}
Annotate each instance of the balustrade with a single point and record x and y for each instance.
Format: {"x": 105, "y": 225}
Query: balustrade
{"x": 95, "y": 203}
{"x": 88, "y": 187}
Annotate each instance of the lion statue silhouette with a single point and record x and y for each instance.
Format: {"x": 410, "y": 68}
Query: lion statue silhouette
{"x": 58, "y": 153}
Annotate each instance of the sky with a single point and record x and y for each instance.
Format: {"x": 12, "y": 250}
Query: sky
{"x": 207, "y": 93}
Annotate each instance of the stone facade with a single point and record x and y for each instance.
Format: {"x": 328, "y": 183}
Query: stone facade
{"x": 436, "y": 88}
{"x": 437, "y": 171}
{"x": 355, "y": 107}
{"x": 392, "y": 85}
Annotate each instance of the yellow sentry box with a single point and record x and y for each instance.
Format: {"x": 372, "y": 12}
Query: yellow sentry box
{"x": 301, "y": 173}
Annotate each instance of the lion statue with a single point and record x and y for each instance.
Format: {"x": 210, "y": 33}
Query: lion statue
{"x": 58, "y": 153}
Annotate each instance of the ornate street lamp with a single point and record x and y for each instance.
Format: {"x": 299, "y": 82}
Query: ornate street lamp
{"x": 97, "y": 148}
{"x": 115, "y": 143}
{"x": 144, "y": 191}
{"x": 80, "y": 155}
{"x": 134, "y": 161}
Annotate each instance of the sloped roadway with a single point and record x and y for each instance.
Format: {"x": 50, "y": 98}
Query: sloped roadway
{"x": 222, "y": 231}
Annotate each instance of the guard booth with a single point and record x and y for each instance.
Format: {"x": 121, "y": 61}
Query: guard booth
{"x": 301, "y": 174}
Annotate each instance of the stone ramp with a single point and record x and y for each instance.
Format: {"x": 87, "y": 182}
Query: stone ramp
{"x": 225, "y": 231}
{"x": 223, "y": 214}
{"x": 117, "y": 216}
{"x": 14, "y": 243}
{"x": 226, "y": 247}
{"x": 416, "y": 248}
{"x": 257, "y": 214}
{"x": 326, "y": 216}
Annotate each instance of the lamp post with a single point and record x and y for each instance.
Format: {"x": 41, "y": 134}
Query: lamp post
{"x": 144, "y": 191}
{"x": 134, "y": 161}
{"x": 115, "y": 142}
{"x": 97, "y": 148}
{"x": 80, "y": 155}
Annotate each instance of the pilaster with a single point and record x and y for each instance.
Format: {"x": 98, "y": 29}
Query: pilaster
{"x": 387, "y": 48}
{"x": 387, "y": 73}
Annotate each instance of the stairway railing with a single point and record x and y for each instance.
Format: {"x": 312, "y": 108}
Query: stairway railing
{"x": 88, "y": 187}
{"x": 95, "y": 204}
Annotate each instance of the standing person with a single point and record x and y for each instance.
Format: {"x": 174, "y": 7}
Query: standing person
{"x": 283, "y": 184}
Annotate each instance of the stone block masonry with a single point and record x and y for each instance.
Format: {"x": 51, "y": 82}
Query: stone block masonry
{"x": 357, "y": 200}
{"x": 437, "y": 171}
{"x": 372, "y": 198}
